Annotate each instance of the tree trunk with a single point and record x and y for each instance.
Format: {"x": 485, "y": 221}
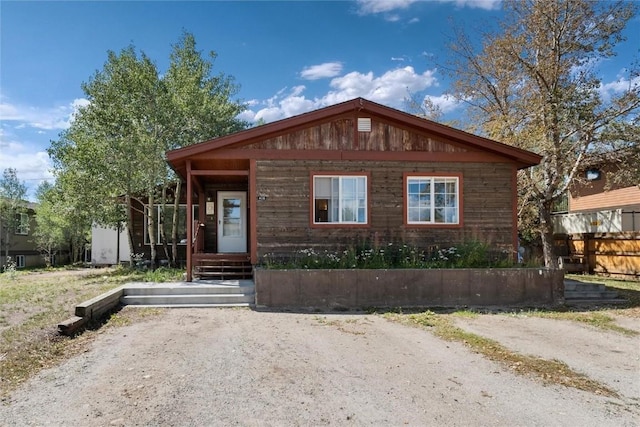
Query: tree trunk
{"x": 546, "y": 234}
{"x": 130, "y": 228}
{"x": 152, "y": 228}
{"x": 174, "y": 223}
{"x": 162, "y": 219}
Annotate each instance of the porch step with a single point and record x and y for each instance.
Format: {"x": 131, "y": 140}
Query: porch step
{"x": 214, "y": 293}
{"x": 582, "y": 293}
{"x": 223, "y": 268}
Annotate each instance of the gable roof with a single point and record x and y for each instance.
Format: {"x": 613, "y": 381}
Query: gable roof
{"x": 360, "y": 106}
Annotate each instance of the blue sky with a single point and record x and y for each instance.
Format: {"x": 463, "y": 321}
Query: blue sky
{"x": 287, "y": 57}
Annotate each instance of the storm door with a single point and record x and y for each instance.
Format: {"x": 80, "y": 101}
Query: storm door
{"x": 232, "y": 221}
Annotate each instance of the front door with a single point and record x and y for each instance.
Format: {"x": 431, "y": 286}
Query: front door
{"x": 232, "y": 221}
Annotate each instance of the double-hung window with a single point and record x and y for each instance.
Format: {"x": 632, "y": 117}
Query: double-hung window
{"x": 340, "y": 199}
{"x": 432, "y": 200}
{"x": 22, "y": 224}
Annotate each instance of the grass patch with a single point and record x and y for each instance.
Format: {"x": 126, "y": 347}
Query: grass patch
{"x": 628, "y": 289}
{"x": 548, "y": 371}
{"x": 33, "y": 303}
{"x": 597, "y": 319}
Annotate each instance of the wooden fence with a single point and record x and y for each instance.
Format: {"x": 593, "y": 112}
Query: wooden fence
{"x": 615, "y": 255}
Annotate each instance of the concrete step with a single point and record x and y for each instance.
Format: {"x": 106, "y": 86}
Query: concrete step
{"x": 194, "y": 288}
{"x": 590, "y": 294}
{"x": 188, "y": 300}
{"x": 584, "y": 287}
{"x": 591, "y": 301}
{"x": 200, "y": 293}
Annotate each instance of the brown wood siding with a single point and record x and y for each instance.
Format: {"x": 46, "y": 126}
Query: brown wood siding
{"x": 283, "y": 191}
{"x": 598, "y": 199}
{"x": 339, "y": 135}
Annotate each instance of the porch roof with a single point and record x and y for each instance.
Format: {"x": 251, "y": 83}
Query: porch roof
{"x": 360, "y": 107}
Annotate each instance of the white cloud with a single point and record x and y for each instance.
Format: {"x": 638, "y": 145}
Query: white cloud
{"x": 270, "y": 114}
{"x": 32, "y": 167}
{"x": 368, "y": 7}
{"x": 48, "y": 118}
{"x": 391, "y": 88}
{"x": 475, "y": 4}
{"x": 446, "y": 103}
{"x": 321, "y": 71}
{"x": 607, "y": 90}
{"x": 372, "y": 7}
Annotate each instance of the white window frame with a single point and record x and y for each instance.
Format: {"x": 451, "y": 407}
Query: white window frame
{"x": 432, "y": 207}
{"x": 22, "y": 225}
{"x": 20, "y": 261}
{"x": 340, "y": 198}
{"x": 194, "y": 216}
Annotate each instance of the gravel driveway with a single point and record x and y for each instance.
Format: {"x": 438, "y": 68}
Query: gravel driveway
{"x": 211, "y": 367}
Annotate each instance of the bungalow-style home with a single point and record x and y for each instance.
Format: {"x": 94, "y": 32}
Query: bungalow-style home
{"x": 597, "y": 228}
{"x": 352, "y": 172}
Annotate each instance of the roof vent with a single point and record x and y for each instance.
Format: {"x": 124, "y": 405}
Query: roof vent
{"x": 364, "y": 124}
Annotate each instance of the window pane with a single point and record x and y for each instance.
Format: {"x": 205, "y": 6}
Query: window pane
{"x": 348, "y": 188}
{"x": 425, "y": 215}
{"x": 340, "y": 199}
{"x": 361, "y": 215}
{"x": 322, "y": 188}
{"x": 413, "y": 200}
{"x": 451, "y": 215}
{"x": 414, "y": 214}
{"x": 450, "y": 200}
{"x": 439, "y": 214}
{"x": 451, "y": 187}
{"x": 231, "y": 227}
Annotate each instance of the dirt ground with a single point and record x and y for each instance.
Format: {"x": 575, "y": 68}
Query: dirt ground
{"x": 211, "y": 367}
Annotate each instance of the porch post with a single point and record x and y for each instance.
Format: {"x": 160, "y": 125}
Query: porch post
{"x": 189, "y": 221}
{"x": 252, "y": 198}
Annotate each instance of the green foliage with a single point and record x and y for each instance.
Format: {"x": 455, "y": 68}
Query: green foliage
{"x": 466, "y": 255}
{"x": 113, "y": 155}
{"x": 56, "y": 225}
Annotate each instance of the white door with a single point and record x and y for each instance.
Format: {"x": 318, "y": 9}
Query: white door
{"x": 232, "y": 221}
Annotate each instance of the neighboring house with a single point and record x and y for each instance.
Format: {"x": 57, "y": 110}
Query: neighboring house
{"x": 22, "y": 249}
{"x": 604, "y": 218}
{"x": 353, "y": 172}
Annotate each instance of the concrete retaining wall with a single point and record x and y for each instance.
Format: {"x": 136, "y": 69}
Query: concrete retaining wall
{"x": 409, "y": 288}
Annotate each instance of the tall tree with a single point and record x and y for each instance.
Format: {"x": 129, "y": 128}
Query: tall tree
{"x": 534, "y": 83}
{"x": 111, "y": 150}
{"x": 13, "y": 193}
{"x": 202, "y": 107}
{"x": 114, "y": 150}
{"x": 59, "y": 224}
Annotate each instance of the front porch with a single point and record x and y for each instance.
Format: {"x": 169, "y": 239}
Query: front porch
{"x": 222, "y": 232}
